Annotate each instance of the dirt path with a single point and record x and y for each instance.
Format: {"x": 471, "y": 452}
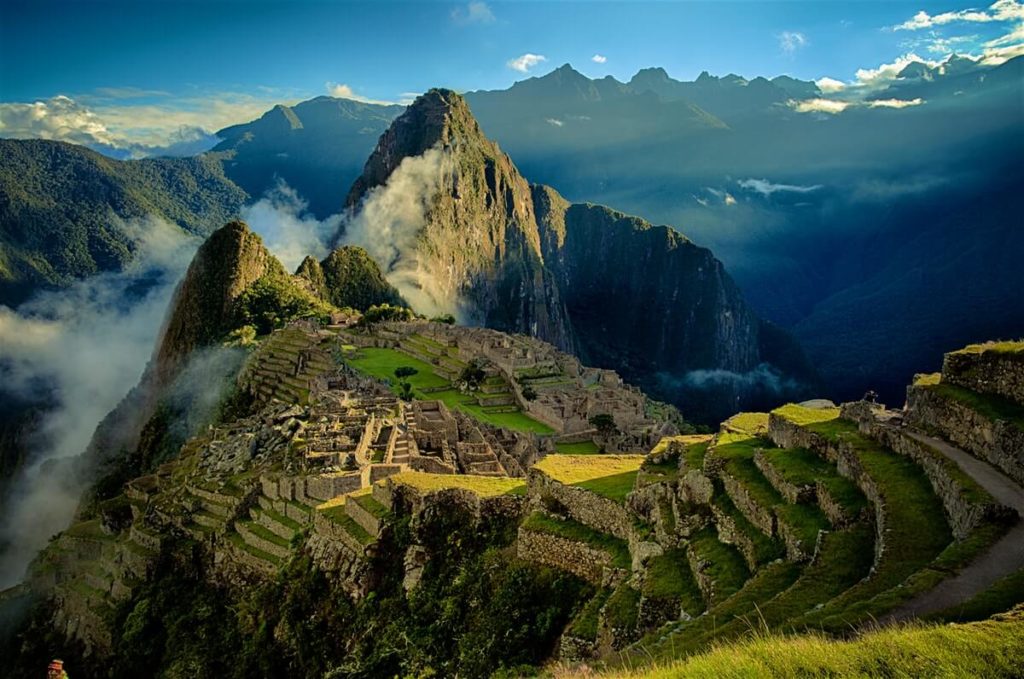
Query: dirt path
{"x": 1004, "y": 557}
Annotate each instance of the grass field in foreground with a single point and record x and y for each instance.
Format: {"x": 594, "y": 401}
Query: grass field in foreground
{"x": 993, "y": 648}
{"x": 381, "y": 363}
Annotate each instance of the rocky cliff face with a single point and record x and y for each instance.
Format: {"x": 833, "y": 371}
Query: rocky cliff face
{"x": 618, "y": 291}
{"x": 477, "y": 248}
{"x": 203, "y": 308}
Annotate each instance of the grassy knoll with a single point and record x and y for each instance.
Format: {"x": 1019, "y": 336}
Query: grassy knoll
{"x": 669, "y": 577}
{"x": 798, "y": 414}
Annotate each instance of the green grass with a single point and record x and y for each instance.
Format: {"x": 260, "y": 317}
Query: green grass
{"x": 916, "y": 533}
{"x": 337, "y": 515}
{"x": 585, "y": 624}
{"x": 623, "y": 608}
{"x": 615, "y": 487}
{"x": 747, "y": 423}
{"x": 726, "y": 566}
{"x": 282, "y": 519}
{"x": 693, "y": 455}
{"x": 577, "y": 532}
{"x": 982, "y": 649}
{"x": 989, "y": 406}
{"x": 381, "y": 363}
{"x": 266, "y": 533}
{"x": 370, "y": 504}
{"x": 765, "y": 548}
{"x": 669, "y": 577}
{"x": 581, "y": 448}
{"x": 690, "y": 636}
{"x": 803, "y": 467}
{"x": 1003, "y": 595}
{"x": 239, "y": 542}
{"x": 1014, "y": 347}
{"x": 484, "y": 486}
{"x": 804, "y": 416}
{"x": 805, "y": 520}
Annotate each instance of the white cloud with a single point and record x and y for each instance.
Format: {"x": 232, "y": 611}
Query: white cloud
{"x": 554, "y": 121}
{"x": 343, "y": 91}
{"x": 473, "y": 13}
{"x": 832, "y": 106}
{"x": 723, "y": 196}
{"x": 894, "y": 103}
{"x": 388, "y": 224}
{"x": 1002, "y": 49}
{"x": 791, "y": 41}
{"x": 885, "y": 73}
{"x": 280, "y": 218}
{"x": 767, "y": 188}
{"x": 599, "y": 58}
{"x": 1001, "y": 10}
{"x": 406, "y": 98}
{"x": 525, "y": 62}
{"x": 829, "y": 85}
{"x": 137, "y": 124}
{"x": 85, "y": 346}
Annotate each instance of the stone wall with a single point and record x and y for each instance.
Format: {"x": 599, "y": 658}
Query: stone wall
{"x": 988, "y": 372}
{"x": 793, "y": 493}
{"x": 996, "y": 441}
{"x": 786, "y": 434}
{"x": 963, "y": 513}
{"x": 593, "y": 565}
{"x": 730, "y": 534}
{"x": 762, "y": 517}
{"x": 588, "y": 508}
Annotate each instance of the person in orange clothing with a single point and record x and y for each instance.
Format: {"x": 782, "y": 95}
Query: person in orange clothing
{"x": 56, "y": 670}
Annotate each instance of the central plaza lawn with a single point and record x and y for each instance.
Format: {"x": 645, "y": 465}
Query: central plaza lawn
{"x": 381, "y": 363}
{"x": 581, "y": 448}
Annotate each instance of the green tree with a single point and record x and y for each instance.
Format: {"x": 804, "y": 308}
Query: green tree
{"x": 605, "y": 424}
{"x": 405, "y": 371}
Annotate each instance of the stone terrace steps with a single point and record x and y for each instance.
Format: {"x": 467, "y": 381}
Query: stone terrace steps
{"x": 369, "y": 513}
{"x": 988, "y": 426}
{"x": 275, "y": 522}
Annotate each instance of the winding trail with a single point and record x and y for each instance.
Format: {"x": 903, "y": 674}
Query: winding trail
{"x": 1003, "y": 558}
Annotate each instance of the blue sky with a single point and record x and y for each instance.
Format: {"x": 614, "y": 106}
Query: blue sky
{"x": 138, "y": 68}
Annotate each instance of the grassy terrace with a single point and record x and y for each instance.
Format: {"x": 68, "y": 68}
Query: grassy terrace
{"x": 611, "y": 476}
{"x": 688, "y": 637}
{"x": 988, "y": 405}
{"x": 582, "y": 448}
{"x": 585, "y": 624}
{"x": 370, "y": 504}
{"x": 381, "y": 363}
{"x": 802, "y": 467}
{"x": 337, "y": 515}
{"x": 484, "y": 486}
{"x": 539, "y": 522}
{"x": 916, "y": 529}
{"x": 990, "y": 649}
{"x": 669, "y": 577}
{"x": 240, "y": 543}
{"x": 1015, "y": 347}
{"x": 726, "y": 566}
{"x": 765, "y": 548}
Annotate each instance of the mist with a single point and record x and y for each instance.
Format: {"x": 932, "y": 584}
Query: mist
{"x": 388, "y": 224}
{"x": 80, "y": 350}
{"x": 281, "y": 219}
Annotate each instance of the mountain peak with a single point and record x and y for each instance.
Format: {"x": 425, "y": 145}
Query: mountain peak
{"x": 437, "y": 115}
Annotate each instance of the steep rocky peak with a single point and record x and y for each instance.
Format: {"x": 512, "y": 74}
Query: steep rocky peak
{"x": 230, "y": 260}
{"x": 438, "y": 116}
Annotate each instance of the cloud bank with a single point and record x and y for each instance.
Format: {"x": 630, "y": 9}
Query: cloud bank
{"x": 473, "y": 13}
{"x": 82, "y": 349}
{"x": 288, "y": 231}
{"x": 387, "y": 225}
